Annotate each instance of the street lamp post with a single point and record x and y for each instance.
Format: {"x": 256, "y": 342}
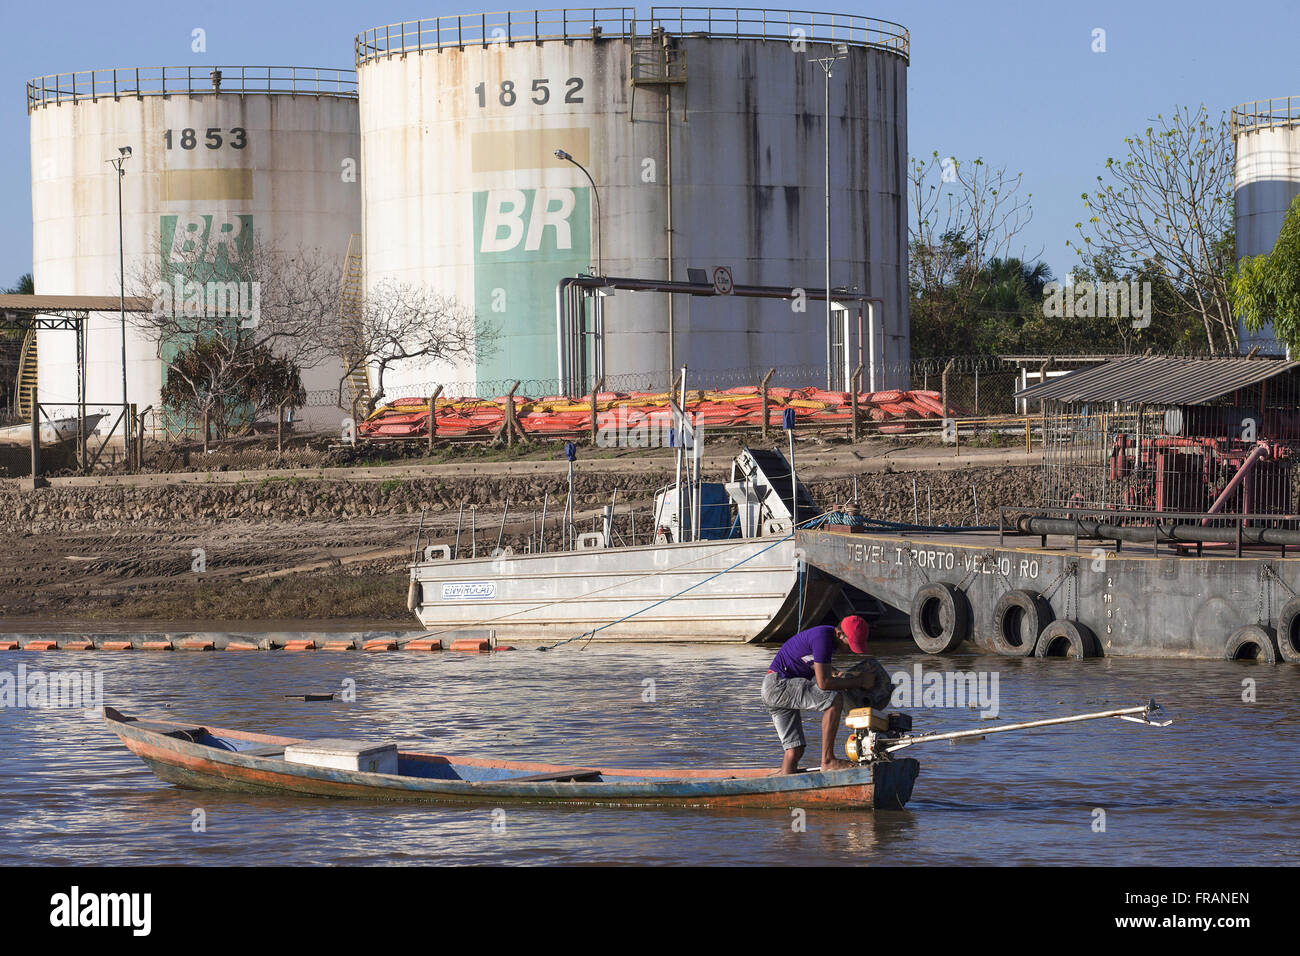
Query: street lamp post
{"x": 838, "y": 52}
{"x": 562, "y": 155}
{"x": 597, "y": 306}
{"x": 124, "y": 153}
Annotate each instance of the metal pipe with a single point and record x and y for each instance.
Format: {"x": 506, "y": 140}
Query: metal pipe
{"x": 794, "y": 485}
{"x": 124, "y": 151}
{"x": 984, "y": 731}
{"x": 568, "y": 512}
{"x": 827, "y": 147}
{"x": 1092, "y": 527}
{"x": 680, "y": 442}
{"x": 502, "y": 530}
{"x": 1259, "y": 451}
{"x": 415, "y": 558}
{"x": 609, "y": 525}
{"x": 545, "y": 497}
{"x": 872, "y": 303}
{"x": 36, "y": 437}
{"x": 668, "y": 162}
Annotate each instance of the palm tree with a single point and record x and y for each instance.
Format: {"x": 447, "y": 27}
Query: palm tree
{"x": 25, "y": 286}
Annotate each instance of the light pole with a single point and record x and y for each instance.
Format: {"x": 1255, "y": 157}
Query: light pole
{"x": 838, "y": 52}
{"x": 124, "y": 153}
{"x": 597, "y": 305}
{"x": 562, "y": 155}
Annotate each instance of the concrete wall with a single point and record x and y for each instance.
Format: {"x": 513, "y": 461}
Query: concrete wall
{"x": 285, "y": 182}
{"x": 462, "y": 193}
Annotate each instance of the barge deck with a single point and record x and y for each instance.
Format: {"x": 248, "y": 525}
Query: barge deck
{"x": 1067, "y": 595}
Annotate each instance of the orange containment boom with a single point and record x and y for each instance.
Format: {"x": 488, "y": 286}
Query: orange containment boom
{"x": 732, "y": 407}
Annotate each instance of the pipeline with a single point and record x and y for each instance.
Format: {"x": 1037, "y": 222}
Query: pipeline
{"x": 1095, "y": 528}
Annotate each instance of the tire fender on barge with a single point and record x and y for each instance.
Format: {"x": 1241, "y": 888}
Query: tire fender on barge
{"x": 940, "y": 617}
{"x": 1251, "y": 643}
{"x": 1019, "y": 618}
{"x": 1288, "y": 631}
{"x": 1067, "y": 639}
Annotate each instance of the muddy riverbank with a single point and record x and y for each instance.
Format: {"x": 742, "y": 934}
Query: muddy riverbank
{"x": 335, "y": 547}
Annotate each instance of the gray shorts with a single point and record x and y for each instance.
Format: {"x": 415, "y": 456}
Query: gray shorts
{"x": 785, "y": 697}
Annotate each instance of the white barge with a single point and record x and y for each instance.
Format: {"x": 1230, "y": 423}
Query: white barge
{"x": 750, "y": 585}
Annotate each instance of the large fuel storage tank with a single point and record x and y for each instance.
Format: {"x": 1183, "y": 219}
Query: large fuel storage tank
{"x": 1267, "y": 138}
{"x": 218, "y": 154}
{"x": 693, "y": 138}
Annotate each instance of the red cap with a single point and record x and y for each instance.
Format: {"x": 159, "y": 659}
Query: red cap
{"x": 856, "y": 630}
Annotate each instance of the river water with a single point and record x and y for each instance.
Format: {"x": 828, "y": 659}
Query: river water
{"x": 1219, "y": 787}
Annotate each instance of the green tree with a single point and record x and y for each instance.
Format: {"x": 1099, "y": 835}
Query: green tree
{"x": 1267, "y": 288}
{"x": 1168, "y": 206}
{"x": 24, "y": 286}
{"x": 227, "y": 386}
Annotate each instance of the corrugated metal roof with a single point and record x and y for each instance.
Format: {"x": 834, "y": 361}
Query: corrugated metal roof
{"x": 1157, "y": 380}
{"x": 73, "y": 303}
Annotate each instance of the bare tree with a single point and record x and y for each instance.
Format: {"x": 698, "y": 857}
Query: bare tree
{"x": 224, "y": 314}
{"x": 399, "y": 323}
{"x": 1170, "y": 202}
{"x": 963, "y": 216}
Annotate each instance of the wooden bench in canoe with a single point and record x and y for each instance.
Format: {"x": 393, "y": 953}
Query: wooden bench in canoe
{"x": 199, "y": 757}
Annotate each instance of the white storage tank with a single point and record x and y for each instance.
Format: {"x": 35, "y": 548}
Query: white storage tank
{"x": 216, "y": 152}
{"x": 1267, "y": 138}
{"x": 702, "y": 131}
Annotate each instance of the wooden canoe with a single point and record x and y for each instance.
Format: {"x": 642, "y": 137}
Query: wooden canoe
{"x": 197, "y": 757}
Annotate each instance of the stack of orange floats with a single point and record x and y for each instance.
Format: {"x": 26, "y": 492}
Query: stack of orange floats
{"x": 729, "y": 408}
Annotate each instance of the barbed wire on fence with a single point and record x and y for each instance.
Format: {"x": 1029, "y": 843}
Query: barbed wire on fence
{"x": 966, "y": 374}
{"x": 976, "y": 384}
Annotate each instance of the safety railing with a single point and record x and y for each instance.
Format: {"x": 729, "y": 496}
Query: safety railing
{"x": 483, "y": 29}
{"x": 1280, "y": 112}
{"x": 755, "y": 23}
{"x": 174, "y": 80}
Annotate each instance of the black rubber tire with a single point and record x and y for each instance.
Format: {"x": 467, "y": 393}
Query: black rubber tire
{"x": 1018, "y": 618}
{"x": 1288, "y": 631}
{"x": 1251, "y": 643}
{"x": 940, "y": 618}
{"x": 1079, "y": 642}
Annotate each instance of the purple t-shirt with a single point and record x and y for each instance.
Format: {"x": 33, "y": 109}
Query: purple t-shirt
{"x": 797, "y": 655}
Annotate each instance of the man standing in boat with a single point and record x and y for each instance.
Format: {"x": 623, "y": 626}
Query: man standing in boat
{"x": 801, "y": 678}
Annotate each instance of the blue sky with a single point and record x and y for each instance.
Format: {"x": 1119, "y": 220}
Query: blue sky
{"x": 1014, "y": 82}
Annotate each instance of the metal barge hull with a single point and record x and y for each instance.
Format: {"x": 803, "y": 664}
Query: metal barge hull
{"x": 734, "y": 590}
{"x": 1137, "y": 602}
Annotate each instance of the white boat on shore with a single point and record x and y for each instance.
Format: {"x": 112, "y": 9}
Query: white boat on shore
{"x": 732, "y": 589}
{"x": 57, "y": 430}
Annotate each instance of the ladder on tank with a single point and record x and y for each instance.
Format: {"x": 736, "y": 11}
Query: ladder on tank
{"x": 27, "y": 375}
{"x": 656, "y": 60}
{"x": 352, "y": 297}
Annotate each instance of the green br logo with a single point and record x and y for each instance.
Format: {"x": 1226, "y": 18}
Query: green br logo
{"x": 512, "y": 216}
{"x": 525, "y": 242}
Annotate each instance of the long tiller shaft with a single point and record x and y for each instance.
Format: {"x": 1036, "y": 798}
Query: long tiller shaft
{"x": 985, "y": 731}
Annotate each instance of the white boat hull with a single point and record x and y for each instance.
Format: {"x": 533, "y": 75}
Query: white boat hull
{"x": 58, "y": 430}
{"x": 729, "y": 591}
